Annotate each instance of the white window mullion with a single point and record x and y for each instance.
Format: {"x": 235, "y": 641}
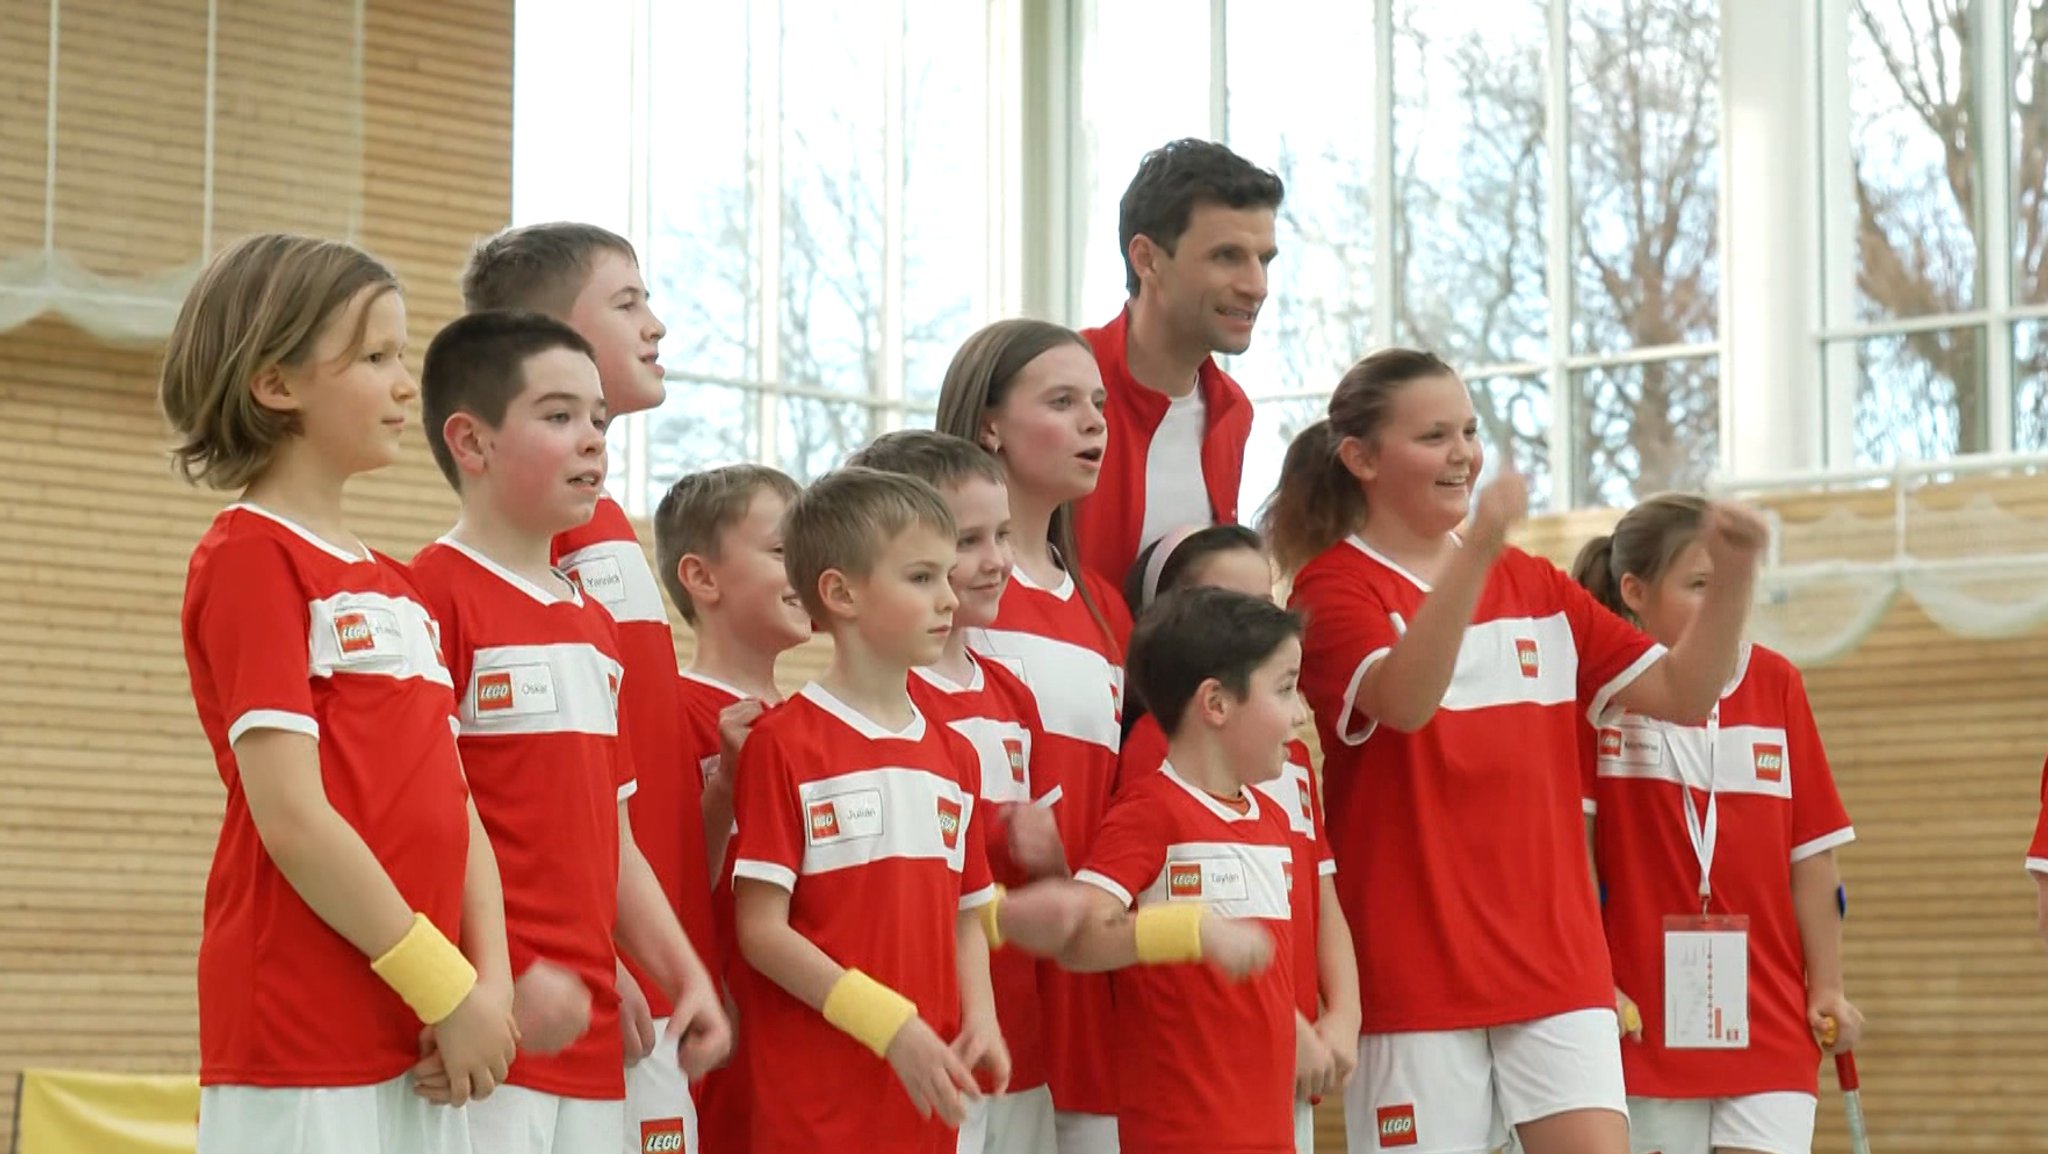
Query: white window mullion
{"x": 1840, "y": 372}
{"x": 1219, "y": 70}
{"x": 1558, "y": 252}
{"x": 764, "y": 53}
{"x": 1386, "y": 282}
{"x": 1992, "y": 57}
{"x": 639, "y": 219}
{"x": 889, "y": 382}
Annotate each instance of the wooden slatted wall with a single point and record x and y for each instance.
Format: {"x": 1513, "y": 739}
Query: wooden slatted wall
{"x": 108, "y": 800}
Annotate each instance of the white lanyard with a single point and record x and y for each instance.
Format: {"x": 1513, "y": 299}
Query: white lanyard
{"x": 1704, "y": 834}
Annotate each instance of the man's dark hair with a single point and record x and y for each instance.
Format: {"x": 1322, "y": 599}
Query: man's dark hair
{"x": 477, "y": 365}
{"x": 1197, "y": 633}
{"x": 1173, "y": 179}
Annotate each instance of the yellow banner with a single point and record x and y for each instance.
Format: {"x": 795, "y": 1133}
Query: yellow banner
{"x": 76, "y": 1112}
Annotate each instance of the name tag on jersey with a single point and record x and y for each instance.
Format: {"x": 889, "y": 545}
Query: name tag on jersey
{"x": 1635, "y": 746}
{"x": 1706, "y": 983}
{"x": 1206, "y": 880}
{"x": 845, "y": 817}
{"x": 366, "y": 634}
{"x": 515, "y": 691}
{"x": 600, "y": 577}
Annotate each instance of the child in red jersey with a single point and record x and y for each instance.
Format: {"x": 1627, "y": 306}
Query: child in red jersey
{"x": 1206, "y": 1062}
{"x": 2037, "y": 859}
{"x": 986, "y": 703}
{"x": 516, "y": 419}
{"x": 1447, "y": 672}
{"x": 348, "y": 834}
{"x": 1737, "y": 820}
{"x": 718, "y": 549}
{"x": 589, "y": 278}
{"x": 1030, "y": 393}
{"x": 1325, "y": 969}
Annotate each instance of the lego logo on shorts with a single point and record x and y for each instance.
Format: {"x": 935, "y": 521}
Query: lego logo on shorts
{"x": 1770, "y": 762}
{"x": 1397, "y": 1126}
{"x": 493, "y": 692}
{"x": 1525, "y": 652}
{"x": 824, "y": 820}
{"x": 1013, "y": 748}
{"x": 661, "y": 1136}
{"x": 1610, "y": 743}
{"x": 354, "y": 634}
{"x": 1184, "y": 880}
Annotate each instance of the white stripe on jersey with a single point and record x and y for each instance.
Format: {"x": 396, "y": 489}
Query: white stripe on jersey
{"x": 569, "y": 687}
{"x": 1079, "y": 692}
{"x": 374, "y": 634}
{"x": 1515, "y": 661}
{"x": 617, "y": 575}
{"x": 857, "y": 819}
{"x": 1748, "y": 759}
{"x": 1290, "y": 791}
{"x": 1004, "y": 750}
{"x": 1235, "y": 880}
{"x": 273, "y": 719}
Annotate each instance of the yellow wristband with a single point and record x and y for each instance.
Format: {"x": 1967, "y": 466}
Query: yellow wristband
{"x": 868, "y": 1011}
{"x": 1170, "y": 932}
{"x": 991, "y": 927}
{"x": 427, "y": 971}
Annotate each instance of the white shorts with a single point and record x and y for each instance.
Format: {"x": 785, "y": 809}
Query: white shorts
{"x": 385, "y": 1118}
{"x": 1304, "y": 1128}
{"x": 1463, "y": 1091}
{"x": 1775, "y": 1123}
{"x": 1020, "y": 1123}
{"x": 516, "y": 1120}
{"x": 1086, "y": 1133}
{"x": 658, "y": 1102}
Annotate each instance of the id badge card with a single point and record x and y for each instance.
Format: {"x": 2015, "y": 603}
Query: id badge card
{"x": 1706, "y": 983}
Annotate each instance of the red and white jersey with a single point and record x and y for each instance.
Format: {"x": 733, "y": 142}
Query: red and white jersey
{"x": 1204, "y": 1062}
{"x": 285, "y": 631}
{"x": 2037, "y": 851}
{"x": 1296, "y": 795}
{"x": 539, "y": 681}
{"x": 1461, "y": 859}
{"x": 876, "y": 835}
{"x": 724, "y": 1095}
{"x": 1776, "y": 805}
{"x": 605, "y": 560}
{"x": 1076, "y": 676}
{"x": 997, "y": 716}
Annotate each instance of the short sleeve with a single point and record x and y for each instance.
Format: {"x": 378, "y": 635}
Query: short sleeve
{"x": 1129, "y": 851}
{"x": 625, "y": 778}
{"x": 1589, "y": 765}
{"x": 250, "y": 632}
{"x": 2037, "y": 853}
{"x": 1819, "y": 822}
{"x": 1612, "y": 653}
{"x": 431, "y": 584}
{"x": 1326, "y": 858}
{"x": 769, "y": 846}
{"x": 1348, "y": 630}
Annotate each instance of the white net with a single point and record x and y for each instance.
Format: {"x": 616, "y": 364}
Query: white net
{"x": 167, "y": 130}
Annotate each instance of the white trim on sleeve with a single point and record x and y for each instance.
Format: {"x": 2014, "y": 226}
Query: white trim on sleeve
{"x": 1351, "y": 700}
{"x": 1103, "y": 883}
{"x": 765, "y": 871}
{"x": 1602, "y": 710}
{"x": 1326, "y": 868}
{"x": 1823, "y": 843}
{"x": 1051, "y": 798}
{"x": 273, "y": 719}
{"x": 2037, "y": 865}
{"x": 1589, "y": 805}
{"x": 629, "y": 789}
{"x": 978, "y": 898}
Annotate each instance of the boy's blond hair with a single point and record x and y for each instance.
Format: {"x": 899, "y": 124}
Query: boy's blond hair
{"x": 941, "y": 460}
{"x": 847, "y": 518}
{"x": 696, "y": 512}
{"x": 538, "y": 267}
{"x": 264, "y": 301}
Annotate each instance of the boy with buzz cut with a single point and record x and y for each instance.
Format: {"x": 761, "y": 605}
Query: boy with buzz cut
{"x": 589, "y": 278}
{"x": 989, "y": 705}
{"x": 718, "y": 551}
{"x": 1205, "y": 1010}
{"x": 862, "y": 895}
{"x": 515, "y": 418}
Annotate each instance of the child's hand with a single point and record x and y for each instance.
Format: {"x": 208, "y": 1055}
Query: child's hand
{"x": 701, "y": 1031}
{"x": 552, "y": 1007}
{"x": 980, "y": 1046}
{"x": 1627, "y": 1017}
{"x": 931, "y": 1073}
{"x": 1237, "y": 947}
{"x": 1034, "y": 840}
{"x": 1836, "y": 1023}
{"x": 465, "y": 1055}
{"x": 1043, "y": 917}
{"x": 1315, "y": 1067}
{"x": 1340, "y": 1033}
{"x": 1734, "y": 535}
{"x": 735, "y": 721}
{"x": 1501, "y": 506}
{"x": 636, "y": 1018}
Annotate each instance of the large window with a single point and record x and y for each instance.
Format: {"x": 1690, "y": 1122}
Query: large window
{"x": 1935, "y": 226}
{"x": 1528, "y": 187}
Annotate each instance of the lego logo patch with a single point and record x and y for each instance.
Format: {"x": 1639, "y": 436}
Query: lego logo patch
{"x": 1525, "y": 653}
{"x": 845, "y": 816}
{"x": 354, "y": 634}
{"x": 1184, "y": 880}
{"x": 1770, "y": 762}
{"x": 661, "y": 1136}
{"x": 1610, "y": 743}
{"x": 824, "y": 820}
{"x": 1013, "y": 748}
{"x": 493, "y": 692}
{"x": 1397, "y": 1126}
{"x": 1308, "y": 808}
{"x": 949, "y": 822}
